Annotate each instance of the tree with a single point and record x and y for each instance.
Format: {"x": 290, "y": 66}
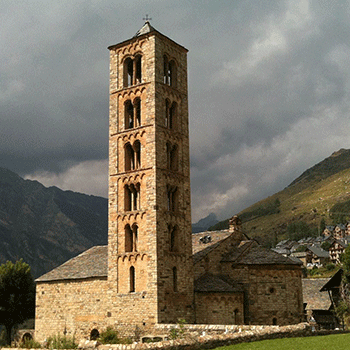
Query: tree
{"x": 17, "y": 295}
{"x": 322, "y": 225}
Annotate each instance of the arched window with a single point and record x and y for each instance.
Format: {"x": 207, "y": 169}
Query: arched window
{"x": 165, "y": 72}
{"x": 128, "y": 72}
{"x": 129, "y": 157}
{"x": 172, "y": 73}
{"x": 167, "y": 113}
{"x": 169, "y": 72}
{"x": 129, "y": 115}
{"x": 132, "y": 156}
{"x": 171, "y": 198}
{"x": 175, "y": 288}
{"x": 132, "y": 197}
{"x": 138, "y": 69}
{"x": 174, "y": 244}
{"x": 135, "y": 233}
{"x": 132, "y": 279}
{"x": 132, "y": 113}
{"x": 137, "y": 107}
{"x": 172, "y": 156}
{"x": 172, "y": 115}
{"x": 132, "y": 71}
{"x": 128, "y": 239}
{"x": 131, "y": 238}
{"x": 137, "y": 150}
{"x": 274, "y": 321}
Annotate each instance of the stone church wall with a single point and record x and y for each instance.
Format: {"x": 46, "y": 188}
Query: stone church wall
{"x": 273, "y": 293}
{"x": 71, "y": 307}
{"x": 219, "y": 308}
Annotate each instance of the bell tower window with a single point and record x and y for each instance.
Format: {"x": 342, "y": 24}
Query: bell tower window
{"x": 173, "y": 238}
{"x": 132, "y": 113}
{"x": 131, "y": 236}
{"x": 171, "y": 198}
{"x": 138, "y": 69}
{"x": 132, "y": 156}
{"x": 170, "y": 72}
{"x": 172, "y": 156}
{"x": 132, "y": 71}
{"x": 170, "y": 114}
{"x": 132, "y": 197}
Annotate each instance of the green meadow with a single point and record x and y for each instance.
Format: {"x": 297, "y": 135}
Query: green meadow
{"x": 326, "y": 342}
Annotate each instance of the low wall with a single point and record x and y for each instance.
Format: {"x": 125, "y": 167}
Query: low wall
{"x": 195, "y": 337}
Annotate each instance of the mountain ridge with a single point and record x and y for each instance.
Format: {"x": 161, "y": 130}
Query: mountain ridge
{"x": 316, "y": 195}
{"x": 45, "y": 225}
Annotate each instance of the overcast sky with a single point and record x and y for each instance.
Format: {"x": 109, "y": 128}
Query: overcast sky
{"x": 269, "y": 85}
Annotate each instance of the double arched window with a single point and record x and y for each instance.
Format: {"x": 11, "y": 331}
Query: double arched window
{"x": 132, "y": 197}
{"x": 172, "y": 156}
{"x": 133, "y": 71}
{"x": 131, "y": 237}
{"x": 132, "y": 155}
{"x": 170, "y": 72}
{"x": 171, "y": 198}
{"x": 170, "y": 114}
{"x": 132, "y": 112}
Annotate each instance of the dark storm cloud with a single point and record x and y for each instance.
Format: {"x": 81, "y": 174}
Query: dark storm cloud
{"x": 268, "y": 90}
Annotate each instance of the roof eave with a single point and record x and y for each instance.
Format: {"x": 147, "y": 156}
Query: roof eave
{"x": 135, "y": 38}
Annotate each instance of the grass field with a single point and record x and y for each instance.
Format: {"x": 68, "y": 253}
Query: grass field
{"x": 326, "y": 342}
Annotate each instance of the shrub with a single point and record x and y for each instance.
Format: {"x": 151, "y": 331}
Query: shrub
{"x": 330, "y": 266}
{"x": 110, "y": 336}
{"x": 178, "y": 331}
{"x": 30, "y": 344}
{"x": 61, "y": 342}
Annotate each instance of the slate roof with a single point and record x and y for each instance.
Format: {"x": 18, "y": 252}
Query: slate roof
{"x": 146, "y": 28}
{"x": 200, "y": 249}
{"x": 319, "y": 252}
{"x": 251, "y": 253}
{"x": 91, "y": 263}
{"x": 313, "y": 297}
{"x": 214, "y": 284}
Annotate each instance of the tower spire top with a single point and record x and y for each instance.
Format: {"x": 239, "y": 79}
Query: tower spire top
{"x": 147, "y": 19}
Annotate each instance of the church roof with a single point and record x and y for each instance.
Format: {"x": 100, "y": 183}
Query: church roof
{"x": 146, "y": 28}
{"x": 201, "y": 249}
{"x": 251, "y": 253}
{"x": 214, "y": 284}
{"x": 91, "y": 263}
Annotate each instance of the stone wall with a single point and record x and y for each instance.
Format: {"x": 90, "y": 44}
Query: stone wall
{"x": 212, "y": 336}
{"x": 70, "y": 307}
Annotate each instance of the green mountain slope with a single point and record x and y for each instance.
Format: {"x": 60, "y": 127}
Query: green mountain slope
{"x": 321, "y": 192}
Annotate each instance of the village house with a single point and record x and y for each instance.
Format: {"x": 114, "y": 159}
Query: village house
{"x": 336, "y": 249}
{"x": 153, "y": 269}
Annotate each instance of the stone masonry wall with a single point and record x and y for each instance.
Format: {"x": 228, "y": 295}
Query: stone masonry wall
{"x": 70, "y": 307}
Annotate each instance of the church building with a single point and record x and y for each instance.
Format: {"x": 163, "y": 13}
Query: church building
{"x": 153, "y": 269}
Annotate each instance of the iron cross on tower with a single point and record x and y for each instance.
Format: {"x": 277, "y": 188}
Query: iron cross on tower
{"x": 147, "y": 19}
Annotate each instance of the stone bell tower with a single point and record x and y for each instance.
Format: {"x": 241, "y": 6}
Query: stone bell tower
{"x": 150, "y": 267}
